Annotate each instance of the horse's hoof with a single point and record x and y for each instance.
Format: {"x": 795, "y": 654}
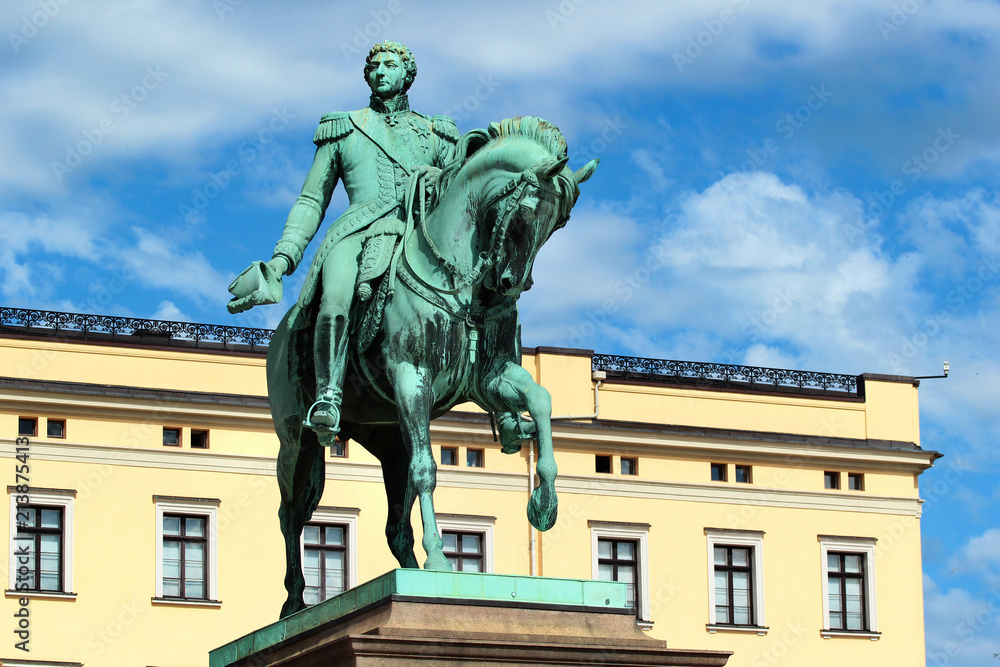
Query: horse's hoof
{"x": 543, "y": 508}
{"x": 438, "y": 563}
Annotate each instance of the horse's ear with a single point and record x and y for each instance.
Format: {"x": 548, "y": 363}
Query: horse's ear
{"x": 471, "y": 142}
{"x": 586, "y": 171}
{"x": 550, "y": 168}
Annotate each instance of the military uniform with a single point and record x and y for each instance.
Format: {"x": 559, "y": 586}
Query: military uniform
{"x": 374, "y": 151}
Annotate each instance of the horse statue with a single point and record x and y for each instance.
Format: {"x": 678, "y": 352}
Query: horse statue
{"x": 446, "y": 332}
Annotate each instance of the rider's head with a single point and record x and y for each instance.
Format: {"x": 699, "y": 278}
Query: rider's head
{"x": 406, "y": 59}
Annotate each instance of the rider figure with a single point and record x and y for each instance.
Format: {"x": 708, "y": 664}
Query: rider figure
{"x": 374, "y": 151}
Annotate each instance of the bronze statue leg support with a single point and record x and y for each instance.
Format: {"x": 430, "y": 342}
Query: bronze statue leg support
{"x": 414, "y": 398}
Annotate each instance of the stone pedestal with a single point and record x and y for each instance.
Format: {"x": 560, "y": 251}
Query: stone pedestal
{"x": 454, "y": 618}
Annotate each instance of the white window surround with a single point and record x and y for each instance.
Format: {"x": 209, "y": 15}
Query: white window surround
{"x": 54, "y": 498}
{"x": 738, "y": 538}
{"x": 346, "y": 516}
{"x": 206, "y": 507}
{"x": 626, "y": 531}
{"x": 468, "y": 523}
{"x": 859, "y": 545}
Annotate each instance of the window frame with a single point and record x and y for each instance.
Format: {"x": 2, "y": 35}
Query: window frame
{"x": 183, "y": 539}
{"x": 34, "y": 433}
{"x": 479, "y": 555}
{"x": 180, "y": 436}
{"x": 470, "y": 523}
{"x": 56, "y": 420}
{"x": 475, "y": 450}
{"x": 60, "y": 498}
{"x": 832, "y": 475}
{"x": 639, "y": 533}
{"x": 860, "y": 477}
{"x": 745, "y": 467}
{"x": 727, "y": 537}
{"x": 724, "y": 467}
{"x": 453, "y": 450}
{"x": 207, "y": 444}
{"x": 634, "y": 461}
{"x": 611, "y": 464}
{"x": 195, "y": 507}
{"x": 339, "y": 516}
{"x": 864, "y": 546}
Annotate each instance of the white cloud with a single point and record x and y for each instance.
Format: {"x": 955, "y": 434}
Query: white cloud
{"x": 962, "y": 628}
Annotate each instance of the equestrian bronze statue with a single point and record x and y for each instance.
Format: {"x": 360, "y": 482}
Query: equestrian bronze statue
{"x": 410, "y": 304}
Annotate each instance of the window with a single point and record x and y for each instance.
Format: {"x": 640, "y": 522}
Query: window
{"x": 855, "y": 481}
{"x": 602, "y": 464}
{"x": 744, "y": 474}
{"x": 27, "y": 426}
{"x": 719, "y": 472}
{"x": 41, "y": 542}
{"x": 617, "y": 560}
{"x": 630, "y": 466}
{"x": 449, "y": 456}
{"x": 468, "y": 541}
{"x": 338, "y": 449}
{"x": 736, "y": 588}
{"x": 199, "y": 439}
{"x": 186, "y": 550}
{"x": 733, "y": 585}
{"x": 463, "y": 550}
{"x": 171, "y": 437}
{"x": 848, "y": 586}
{"x": 620, "y": 553}
{"x": 330, "y": 552}
{"x": 55, "y": 428}
{"x": 474, "y": 458}
{"x": 324, "y": 561}
{"x": 831, "y": 480}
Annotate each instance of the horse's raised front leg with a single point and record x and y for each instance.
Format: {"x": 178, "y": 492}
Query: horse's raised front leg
{"x": 414, "y": 399}
{"x": 520, "y": 392}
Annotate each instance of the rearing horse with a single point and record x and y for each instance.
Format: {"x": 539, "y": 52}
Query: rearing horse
{"x": 449, "y": 334}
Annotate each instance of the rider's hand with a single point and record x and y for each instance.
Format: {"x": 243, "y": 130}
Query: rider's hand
{"x": 259, "y": 284}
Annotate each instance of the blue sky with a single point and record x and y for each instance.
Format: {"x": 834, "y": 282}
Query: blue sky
{"x": 810, "y": 185}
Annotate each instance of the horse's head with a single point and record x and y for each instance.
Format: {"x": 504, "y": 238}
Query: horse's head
{"x": 529, "y": 197}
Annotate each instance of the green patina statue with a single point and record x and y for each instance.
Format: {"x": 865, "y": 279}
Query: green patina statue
{"x": 410, "y": 304}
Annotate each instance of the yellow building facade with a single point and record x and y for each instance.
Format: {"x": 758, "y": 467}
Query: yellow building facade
{"x": 775, "y": 519}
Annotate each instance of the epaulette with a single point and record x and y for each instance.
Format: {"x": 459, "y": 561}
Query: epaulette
{"x": 445, "y": 127}
{"x": 333, "y": 126}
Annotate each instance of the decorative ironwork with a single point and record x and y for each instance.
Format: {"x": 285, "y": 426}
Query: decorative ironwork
{"x": 630, "y": 368}
{"x": 728, "y": 375}
{"x": 146, "y": 330}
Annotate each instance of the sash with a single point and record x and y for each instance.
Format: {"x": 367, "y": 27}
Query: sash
{"x": 391, "y": 143}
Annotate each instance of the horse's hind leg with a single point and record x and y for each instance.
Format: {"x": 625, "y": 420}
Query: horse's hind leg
{"x": 301, "y": 475}
{"x": 387, "y": 442}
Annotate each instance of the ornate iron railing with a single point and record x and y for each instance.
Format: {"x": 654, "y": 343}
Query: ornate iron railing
{"x": 147, "y": 330}
{"x": 729, "y": 375}
{"x": 631, "y": 368}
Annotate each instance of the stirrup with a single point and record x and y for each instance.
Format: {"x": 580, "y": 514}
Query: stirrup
{"x": 327, "y": 434}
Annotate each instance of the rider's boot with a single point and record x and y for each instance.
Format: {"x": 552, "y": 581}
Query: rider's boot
{"x": 331, "y": 337}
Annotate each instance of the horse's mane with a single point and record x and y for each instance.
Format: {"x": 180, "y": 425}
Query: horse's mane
{"x": 529, "y": 127}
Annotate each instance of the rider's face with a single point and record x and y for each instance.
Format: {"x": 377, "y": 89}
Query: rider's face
{"x": 387, "y": 75}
